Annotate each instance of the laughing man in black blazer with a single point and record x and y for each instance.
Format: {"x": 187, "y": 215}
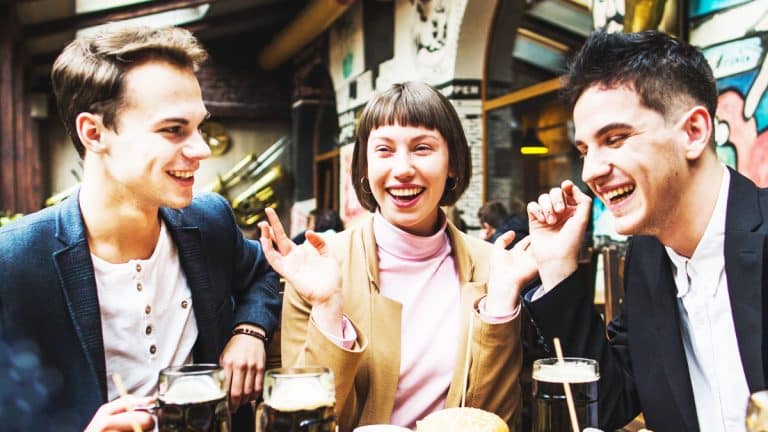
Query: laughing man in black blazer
{"x": 131, "y": 274}
{"x": 689, "y": 345}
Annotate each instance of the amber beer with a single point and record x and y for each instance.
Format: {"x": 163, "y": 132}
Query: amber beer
{"x": 550, "y": 409}
{"x": 192, "y": 398}
{"x": 298, "y": 400}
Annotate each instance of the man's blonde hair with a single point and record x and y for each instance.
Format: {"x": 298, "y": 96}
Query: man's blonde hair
{"x": 88, "y": 75}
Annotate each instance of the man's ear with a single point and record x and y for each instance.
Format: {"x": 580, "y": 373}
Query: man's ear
{"x": 89, "y": 130}
{"x": 698, "y": 131}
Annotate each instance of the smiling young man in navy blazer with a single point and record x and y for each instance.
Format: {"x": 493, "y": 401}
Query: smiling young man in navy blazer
{"x": 132, "y": 274}
{"x": 689, "y": 345}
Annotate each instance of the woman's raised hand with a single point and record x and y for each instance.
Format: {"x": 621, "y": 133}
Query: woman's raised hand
{"x": 314, "y": 274}
{"x": 510, "y": 271}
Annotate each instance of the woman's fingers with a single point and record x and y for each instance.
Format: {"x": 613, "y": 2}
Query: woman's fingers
{"x": 284, "y": 243}
{"x": 505, "y": 239}
{"x": 317, "y": 241}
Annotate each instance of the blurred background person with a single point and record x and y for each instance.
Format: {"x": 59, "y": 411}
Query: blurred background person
{"x": 320, "y": 221}
{"x": 495, "y": 221}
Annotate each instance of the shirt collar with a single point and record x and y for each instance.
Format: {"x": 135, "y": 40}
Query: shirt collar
{"x": 708, "y": 256}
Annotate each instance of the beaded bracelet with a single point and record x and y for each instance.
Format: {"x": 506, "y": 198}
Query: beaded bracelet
{"x": 250, "y": 332}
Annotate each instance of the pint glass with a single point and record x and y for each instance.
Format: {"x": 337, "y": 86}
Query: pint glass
{"x": 193, "y": 398}
{"x": 297, "y": 400}
{"x": 550, "y": 409}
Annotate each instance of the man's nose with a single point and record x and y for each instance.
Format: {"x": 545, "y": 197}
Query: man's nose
{"x": 595, "y": 165}
{"x": 196, "y": 147}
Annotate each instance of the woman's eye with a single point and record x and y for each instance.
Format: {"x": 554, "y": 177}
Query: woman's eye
{"x": 423, "y": 148}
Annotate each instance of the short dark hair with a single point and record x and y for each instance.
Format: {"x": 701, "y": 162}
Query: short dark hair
{"x": 89, "y": 73}
{"x": 412, "y": 104}
{"x": 493, "y": 213}
{"x": 326, "y": 219}
{"x": 664, "y": 71}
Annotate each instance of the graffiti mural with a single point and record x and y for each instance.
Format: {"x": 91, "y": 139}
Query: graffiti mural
{"x": 733, "y": 35}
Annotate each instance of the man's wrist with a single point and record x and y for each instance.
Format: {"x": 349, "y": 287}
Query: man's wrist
{"x": 251, "y": 330}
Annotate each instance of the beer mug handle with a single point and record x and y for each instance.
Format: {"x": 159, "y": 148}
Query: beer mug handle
{"x": 258, "y": 417}
{"x": 306, "y": 424}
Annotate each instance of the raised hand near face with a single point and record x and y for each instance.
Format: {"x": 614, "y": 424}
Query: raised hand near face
{"x": 557, "y": 222}
{"x": 509, "y": 272}
{"x": 309, "y": 268}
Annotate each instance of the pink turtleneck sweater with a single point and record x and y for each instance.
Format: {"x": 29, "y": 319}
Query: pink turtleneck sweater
{"x": 419, "y": 272}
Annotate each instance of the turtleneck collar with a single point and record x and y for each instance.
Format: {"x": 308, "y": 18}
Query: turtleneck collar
{"x": 405, "y": 245}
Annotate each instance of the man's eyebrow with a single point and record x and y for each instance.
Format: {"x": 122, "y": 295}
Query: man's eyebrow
{"x": 611, "y": 126}
{"x": 181, "y": 120}
{"x": 605, "y": 129}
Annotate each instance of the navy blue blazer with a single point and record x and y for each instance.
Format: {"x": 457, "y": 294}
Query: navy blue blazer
{"x": 642, "y": 362}
{"x": 48, "y": 292}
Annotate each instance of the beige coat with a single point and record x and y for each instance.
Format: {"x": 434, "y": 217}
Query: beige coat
{"x": 366, "y": 376}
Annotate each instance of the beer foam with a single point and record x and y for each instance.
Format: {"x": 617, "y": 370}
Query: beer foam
{"x": 298, "y": 394}
{"x": 565, "y": 372}
{"x": 193, "y": 389}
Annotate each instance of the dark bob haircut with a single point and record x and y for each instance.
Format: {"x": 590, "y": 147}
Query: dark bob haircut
{"x": 412, "y": 104}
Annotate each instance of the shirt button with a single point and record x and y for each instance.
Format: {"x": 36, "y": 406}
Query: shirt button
{"x": 152, "y": 349}
{"x": 148, "y": 309}
{"x": 148, "y": 330}
{"x": 138, "y": 268}
{"x": 184, "y": 304}
{"x": 139, "y": 287}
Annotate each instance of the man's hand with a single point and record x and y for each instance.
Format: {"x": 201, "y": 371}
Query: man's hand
{"x": 243, "y": 359}
{"x": 557, "y": 223}
{"x": 118, "y": 415}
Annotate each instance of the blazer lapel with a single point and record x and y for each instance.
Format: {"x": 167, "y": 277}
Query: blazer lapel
{"x": 189, "y": 244}
{"x": 744, "y": 248}
{"x": 384, "y": 324}
{"x": 666, "y": 316}
{"x": 75, "y": 269}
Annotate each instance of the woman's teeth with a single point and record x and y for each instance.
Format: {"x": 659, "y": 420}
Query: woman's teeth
{"x": 405, "y": 193}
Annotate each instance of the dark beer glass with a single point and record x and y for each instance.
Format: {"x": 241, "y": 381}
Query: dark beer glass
{"x": 297, "y": 400}
{"x": 550, "y": 409}
{"x": 193, "y": 398}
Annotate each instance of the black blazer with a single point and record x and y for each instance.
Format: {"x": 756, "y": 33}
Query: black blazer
{"x": 642, "y": 362}
{"x": 48, "y": 294}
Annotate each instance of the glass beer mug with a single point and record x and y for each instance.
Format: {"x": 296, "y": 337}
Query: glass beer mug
{"x": 297, "y": 400}
{"x": 193, "y": 398}
{"x": 550, "y": 409}
{"x": 757, "y": 412}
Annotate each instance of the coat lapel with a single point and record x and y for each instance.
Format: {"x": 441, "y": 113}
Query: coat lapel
{"x": 666, "y": 316}
{"x": 744, "y": 248}
{"x": 75, "y": 269}
{"x": 189, "y": 245}
{"x": 383, "y": 323}
{"x": 471, "y": 291}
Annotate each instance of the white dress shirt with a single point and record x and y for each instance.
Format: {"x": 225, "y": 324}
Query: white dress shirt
{"x": 147, "y": 321}
{"x": 714, "y": 363}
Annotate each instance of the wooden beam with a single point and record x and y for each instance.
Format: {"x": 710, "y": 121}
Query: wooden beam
{"x": 537, "y": 89}
{"x": 7, "y": 153}
{"x": 89, "y": 19}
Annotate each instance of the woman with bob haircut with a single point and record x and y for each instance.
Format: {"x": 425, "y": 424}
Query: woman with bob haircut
{"x": 388, "y": 304}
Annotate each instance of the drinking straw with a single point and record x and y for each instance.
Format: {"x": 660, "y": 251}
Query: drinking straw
{"x": 466, "y": 359}
{"x": 118, "y": 380}
{"x": 567, "y": 388}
